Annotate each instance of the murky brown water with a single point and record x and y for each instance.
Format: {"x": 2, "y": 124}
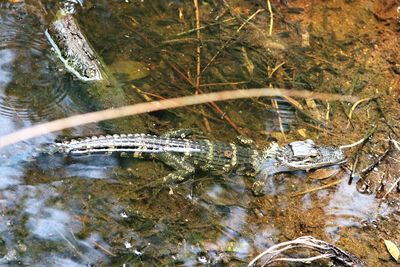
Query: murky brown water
{"x": 101, "y": 211}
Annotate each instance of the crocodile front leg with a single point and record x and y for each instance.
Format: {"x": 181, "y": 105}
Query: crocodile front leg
{"x": 260, "y": 186}
{"x": 183, "y": 170}
{"x": 265, "y": 183}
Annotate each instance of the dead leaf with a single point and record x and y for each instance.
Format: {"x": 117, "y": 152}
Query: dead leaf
{"x": 302, "y": 132}
{"x": 170, "y": 192}
{"x": 311, "y": 103}
{"x": 134, "y": 69}
{"x": 305, "y": 39}
{"x": 393, "y": 249}
{"x": 293, "y": 102}
{"x": 320, "y": 174}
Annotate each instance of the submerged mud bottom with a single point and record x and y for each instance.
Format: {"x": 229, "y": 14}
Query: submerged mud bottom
{"x": 109, "y": 210}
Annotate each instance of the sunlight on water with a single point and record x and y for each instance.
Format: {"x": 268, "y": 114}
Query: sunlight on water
{"x": 50, "y": 224}
{"x": 9, "y": 177}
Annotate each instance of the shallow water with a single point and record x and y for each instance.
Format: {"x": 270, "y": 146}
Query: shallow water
{"x": 105, "y": 210}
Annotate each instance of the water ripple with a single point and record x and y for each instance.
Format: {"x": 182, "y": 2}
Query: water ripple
{"x": 31, "y": 85}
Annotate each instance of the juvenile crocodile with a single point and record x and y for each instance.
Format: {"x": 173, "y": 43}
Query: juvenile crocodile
{"x": 187, "y": 156}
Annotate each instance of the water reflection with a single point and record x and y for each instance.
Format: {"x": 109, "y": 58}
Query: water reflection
{"x": 6, "y": 57}
{"x": 92, "y": 167}
{"x": 9, "y": 177}
{"x": 348, "y": 208}
{"x": 49, "y": 223}
{"x": 35, "y": 212}
{"x": 234, "y": 225}
{"x": 33, "y": 89}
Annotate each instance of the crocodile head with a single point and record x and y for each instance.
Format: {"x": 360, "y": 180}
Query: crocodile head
{"x": 295, "y": 156}
{"x": 306, "y": 155}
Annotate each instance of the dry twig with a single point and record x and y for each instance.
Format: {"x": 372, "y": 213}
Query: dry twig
{"x": 374, "y": 164}
{"x": 316, "y": 188}
{"x": 230, "y": 41}
{"x": 198, "y": 64}
{"x": 271, "y": 21}
{"x": 327, "y": 251}
{"x": 396, "y": 144}
{"x": 140, "y": 108}
{"x": 354, "y": 107}
{"x": 361, "y": 142}
{"x": 198, "y": 70}
{"x": 249, "y": 18}
{"x": 391, "y": 188}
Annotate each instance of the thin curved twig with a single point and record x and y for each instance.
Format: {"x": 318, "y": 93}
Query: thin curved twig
{"x": 367, "y": 135}
{"x": 350, "y": 115}
{"x": 141, "y": 108}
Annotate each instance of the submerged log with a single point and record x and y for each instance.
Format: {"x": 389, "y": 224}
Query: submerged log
{"x": 98, "y": 85}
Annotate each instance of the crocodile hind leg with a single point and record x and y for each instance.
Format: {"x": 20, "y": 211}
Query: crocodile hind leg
{"x": 180, "y": 133}
{"x": 183, "y": 170}
{"x": 183, "y": 133}
{"x": 246, "y": 142}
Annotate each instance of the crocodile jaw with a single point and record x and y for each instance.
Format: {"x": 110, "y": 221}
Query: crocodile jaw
{"x": 306, "y": 155}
